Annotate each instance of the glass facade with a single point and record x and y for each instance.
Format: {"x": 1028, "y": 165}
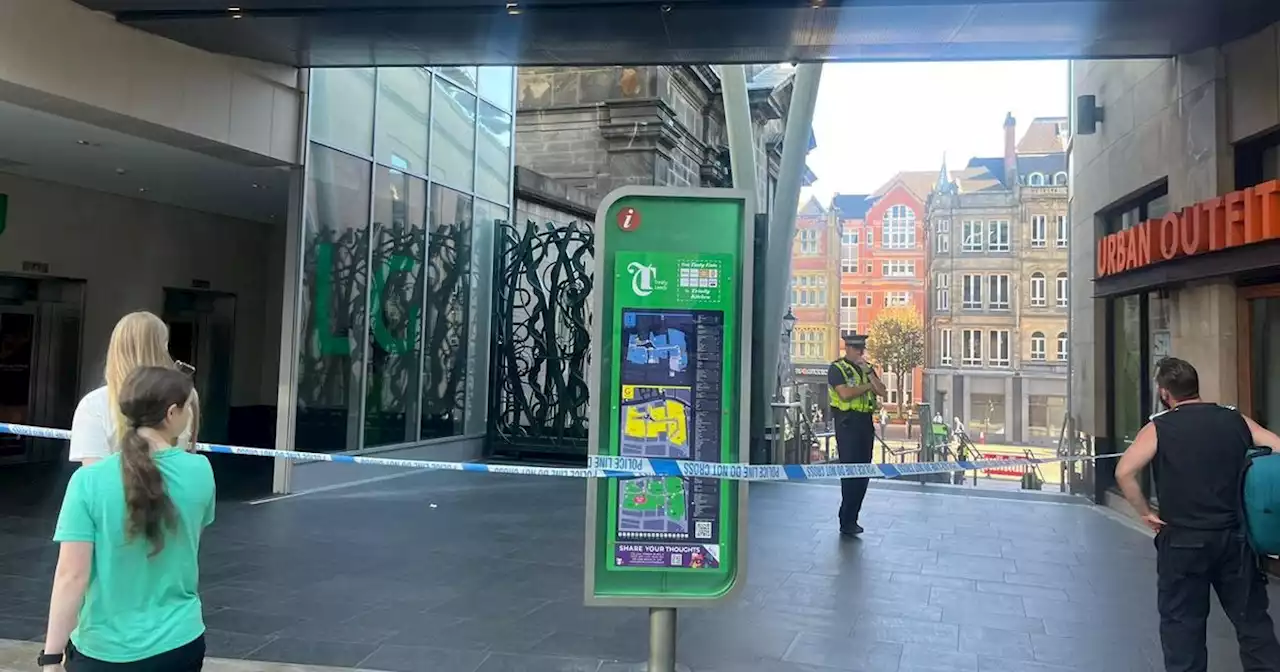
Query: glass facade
{"x": 409, "y": 170}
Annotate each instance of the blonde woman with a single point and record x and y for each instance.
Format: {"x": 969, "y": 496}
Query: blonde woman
{"x": 139, "y": 339}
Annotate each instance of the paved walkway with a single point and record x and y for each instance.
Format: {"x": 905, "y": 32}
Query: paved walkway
{"x": 469, "y": 573}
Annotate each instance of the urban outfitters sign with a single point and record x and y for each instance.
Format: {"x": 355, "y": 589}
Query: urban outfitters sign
{"x": 1239, "y": 218}
{"x": 672, "y": 334}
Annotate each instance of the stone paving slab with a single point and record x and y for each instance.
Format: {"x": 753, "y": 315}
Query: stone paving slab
{"x": 489, "y": 579}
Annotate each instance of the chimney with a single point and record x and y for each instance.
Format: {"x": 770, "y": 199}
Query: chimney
{"x": 1010, "y": 150}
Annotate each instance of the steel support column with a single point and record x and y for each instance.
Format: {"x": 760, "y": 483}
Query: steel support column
{"x": 782, "y": 228}
{"x": 737, "y": 125}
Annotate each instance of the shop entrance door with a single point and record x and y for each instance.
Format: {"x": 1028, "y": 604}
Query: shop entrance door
{"x": 1259, "y": 340}
{"x": 201, "y": 332}
{"x": 40, "y": 323}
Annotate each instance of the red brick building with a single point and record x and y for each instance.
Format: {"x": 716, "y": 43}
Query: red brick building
{"x": 882, "y": 259}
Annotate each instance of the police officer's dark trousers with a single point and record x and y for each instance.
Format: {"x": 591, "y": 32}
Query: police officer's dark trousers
{"x": 855, "y": 441}
{"x": 1188, "y": 562}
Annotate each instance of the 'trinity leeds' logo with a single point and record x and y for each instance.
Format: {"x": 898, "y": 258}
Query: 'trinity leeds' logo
{"x": 642, "y": 277}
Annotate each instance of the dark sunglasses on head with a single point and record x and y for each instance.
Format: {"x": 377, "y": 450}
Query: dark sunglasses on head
{"x": 185, "y": 367}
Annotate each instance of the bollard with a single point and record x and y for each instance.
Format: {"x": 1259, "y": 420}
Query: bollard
{"x": 662, "y": 639}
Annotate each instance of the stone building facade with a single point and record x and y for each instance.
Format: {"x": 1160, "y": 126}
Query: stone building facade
{"x": 597, "y": 129}
{"x": 997, "y": 339}
{"x": 815, "y": 293}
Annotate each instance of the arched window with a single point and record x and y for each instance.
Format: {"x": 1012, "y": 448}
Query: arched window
{"x": 1060, "y": 179}
{"x": 1037, "y": 346}
{"x": 1061, "y": 288}
{"x": 1062, "y": 346}
{"x": 1035, "y": 179}
{"x": 899, "y": 228}
{"x": 1038, "y": 289}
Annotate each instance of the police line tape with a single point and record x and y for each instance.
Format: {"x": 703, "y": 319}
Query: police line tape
{"x": 602, "y": 466}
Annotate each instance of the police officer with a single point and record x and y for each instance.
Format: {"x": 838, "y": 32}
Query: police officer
{"x": 1198, "y": 449}
{"x": 852, "y": 388}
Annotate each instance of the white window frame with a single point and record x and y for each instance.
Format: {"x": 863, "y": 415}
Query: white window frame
{"x": 1035, "y": 180}
{"x": 943, "y": 243}
{"x": 899, "y": 228}
{"x": 1063, "y": 346}
{"x": 897, "y": 299}
{"x": 998, "y": 285}
{"x": 849, "y": 312}
{"x": 973, "y": 233}
{"x": 1059, "y": 179}
{"x": 1062, "y": 289}
{"x": 1060, "y": 239}
{"x": 808, "y": 241}
{"x": 849, "y": 252}
{"x": 1039, "y": 230}
{"x": 1039, "y": 287}
{"x": 999, "y": 353}
{"x": 971, "y": 347}
{"x": 942, "y": 291}
{"x": 1038, "y": 347}
{"x": 944, "y": 347}
{"x": 971, "y": 291}
{"x": 898, "y": 268}
{"x": 995, "y": 241}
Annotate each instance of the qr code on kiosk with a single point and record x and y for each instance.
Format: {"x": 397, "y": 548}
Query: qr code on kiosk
{"x": 702, "y": 529}
{"x": 676, "y": 560}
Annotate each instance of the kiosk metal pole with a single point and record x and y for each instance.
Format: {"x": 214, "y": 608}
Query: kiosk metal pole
{"x": 662, "y": 639}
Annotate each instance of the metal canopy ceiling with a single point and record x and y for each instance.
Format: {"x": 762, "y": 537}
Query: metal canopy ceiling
{"x": 618, "y": 32}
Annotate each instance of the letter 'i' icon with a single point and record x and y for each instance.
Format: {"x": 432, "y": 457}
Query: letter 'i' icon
{"x": 628, "y": 219}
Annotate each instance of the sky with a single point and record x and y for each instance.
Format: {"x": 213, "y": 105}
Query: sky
{"x": 876, "y": 119}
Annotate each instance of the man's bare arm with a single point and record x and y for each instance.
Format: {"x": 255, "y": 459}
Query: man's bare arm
{"x": 1261, "y": 435}
{"x": 1135, "y": 459}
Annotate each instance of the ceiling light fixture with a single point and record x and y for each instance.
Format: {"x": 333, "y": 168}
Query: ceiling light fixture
{"x": 87, "y": 143}
{"x": 121, "y": 171}
{"x": 513, "y": 8}
{"x": 237, "y": 16}
{"x": 142, "y": 190}
{"x": 233, "y": 9}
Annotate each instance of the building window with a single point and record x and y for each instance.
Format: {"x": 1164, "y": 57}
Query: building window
{"x": 999, "y": 352}
{"x": 868, "y": 268}
{"x": 1037, "y": 346}
{"x": 1061, "y": 240}
{"x": 808, "y": 239}
{"x": 849, "y": 312}
{"x": 809, "y": 290}
{"x": 809, "y": 344}
{"x": 1045, "y": 415}
{"x": 849, "y": 252}
{"x": 943, "y": 245}
{"x": 998, "y": 235}
{"x": 868, "y": 301}
{"x": 1037, "y": 289}
{"x": 897, "y": 298}
{"x": 1059, "y": 179}
{"x": 972, "y": 232}
{"x": 998, "y": 292}
{"x": 898, "y": 268}
{"x": 1039, "y": 234}
{"x": 1036, "y": 180}
{"x": 1061, "y": 282}
{"x": 899, "y": 228}
{"x": 944, "y": 349}
{"x": 942, "y": 288}
{"x": 870, "y": 238}
{"x": 1062, "y": 346}
{"x": 971, "y": 347}
{"x": 453, "y": 136}
{"x": 972, "y": 288}
{"x": 987, "y": 413}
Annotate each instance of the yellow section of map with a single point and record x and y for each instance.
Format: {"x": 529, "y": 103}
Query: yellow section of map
{"x": 652, "y": 420}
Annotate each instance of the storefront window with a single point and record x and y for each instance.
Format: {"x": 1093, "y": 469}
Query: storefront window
{"x": 1045, "y": 415}
{"x": 335, "y": 275}
{"x": 395, "y": 308}
{"x": 987, "y": 411}
{"x": 342, "y": 108}
{"x": 394, "y": 286}
{"x": 404, "y": 102}
{"x": 448, "y": 311}
{"x": 493, "y": 179}
{"x": 1127, "y": 380}
{"x": 1264, "y": 350}
{"x": 453, "y": 136}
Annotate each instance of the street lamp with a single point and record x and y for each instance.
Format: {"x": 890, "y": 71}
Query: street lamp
{"x": 788, "y": 322}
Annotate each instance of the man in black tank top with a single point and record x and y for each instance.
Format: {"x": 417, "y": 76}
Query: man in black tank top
{"x": 1198, "y": 453}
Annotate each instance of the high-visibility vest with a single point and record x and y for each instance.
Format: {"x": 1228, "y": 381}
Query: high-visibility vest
{"x": 853, "y": 376}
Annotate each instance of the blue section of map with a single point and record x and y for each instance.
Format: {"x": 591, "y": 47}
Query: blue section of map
{"x": 654, "y": 348}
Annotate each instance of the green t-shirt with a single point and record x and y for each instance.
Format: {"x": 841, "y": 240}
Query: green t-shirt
{"x": 136, "y": 607}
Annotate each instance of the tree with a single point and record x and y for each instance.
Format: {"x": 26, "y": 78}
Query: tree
{"x": 896, "y": 342}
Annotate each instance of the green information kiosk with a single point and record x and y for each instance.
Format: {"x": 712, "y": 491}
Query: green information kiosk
{"x": 670, "y": 380}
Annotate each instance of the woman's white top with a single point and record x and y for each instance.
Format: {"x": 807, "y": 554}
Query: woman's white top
{"x": 93, "y": 429}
